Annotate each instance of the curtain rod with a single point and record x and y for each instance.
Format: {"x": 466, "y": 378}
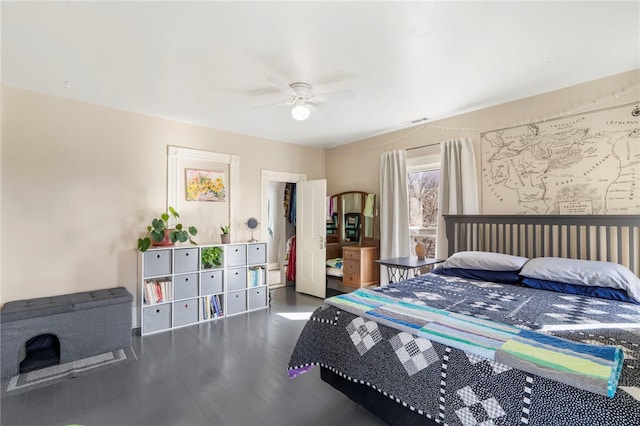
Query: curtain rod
{"x": 422, "y": 146}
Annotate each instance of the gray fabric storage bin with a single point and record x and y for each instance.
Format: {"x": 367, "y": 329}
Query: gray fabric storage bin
{"x": 236, "y": 279}
{"x": 185, "y": 286}
{"x": 257, "y": 253}
{"x": 236, "y": 255}
{"x": 157, "y": 263}
{"x": 236, "y": 302}
{"x": 211, "y": 282}
{"x": 156, "y": 317}
{"x": 258, "y": 297}
{"x": 185, "y": 260}
{"x": 185, "y": 312}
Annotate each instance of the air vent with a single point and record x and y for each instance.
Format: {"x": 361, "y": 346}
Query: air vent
{"x": 419, "y": 120}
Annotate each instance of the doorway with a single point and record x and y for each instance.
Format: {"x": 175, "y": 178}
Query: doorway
{"x": 280, "y": 233}
{"x": 278, "y": 230}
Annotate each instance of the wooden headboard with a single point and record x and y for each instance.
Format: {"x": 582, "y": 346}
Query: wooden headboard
{"x": 612, "y": 238}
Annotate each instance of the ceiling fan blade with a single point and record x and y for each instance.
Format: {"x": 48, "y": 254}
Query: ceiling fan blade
{"x": 315, "y": 112}
{"x": 282, "y": 86}
{"x": 274, "y": 105}
{"x": 334, "y": 96}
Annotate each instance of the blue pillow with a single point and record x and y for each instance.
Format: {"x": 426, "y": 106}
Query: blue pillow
{"x": 505, "y": 277}
{"x": 583, "y": 290}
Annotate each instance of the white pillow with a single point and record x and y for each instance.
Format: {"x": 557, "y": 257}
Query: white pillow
{"x": 485, "y": 260}
{"x": 583, "y": 272}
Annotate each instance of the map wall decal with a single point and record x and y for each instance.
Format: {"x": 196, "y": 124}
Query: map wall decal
{"x": 585, "y": 163}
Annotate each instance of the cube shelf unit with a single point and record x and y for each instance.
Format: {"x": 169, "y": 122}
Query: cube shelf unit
{"x": 177, "y": 290}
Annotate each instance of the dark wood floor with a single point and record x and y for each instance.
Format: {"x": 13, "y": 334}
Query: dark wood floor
{"x": 226, "y": 372}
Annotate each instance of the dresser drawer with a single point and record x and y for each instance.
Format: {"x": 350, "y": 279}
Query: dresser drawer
{"x": 352, "y": 280}
{"x": 351, "y": 254}
{"x": 350, "y": 267}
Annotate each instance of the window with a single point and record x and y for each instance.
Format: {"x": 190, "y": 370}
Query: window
{"x": 423, "y": 180}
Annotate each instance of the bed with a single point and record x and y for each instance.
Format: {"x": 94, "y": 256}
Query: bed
{"x": 334, "y": 260}
{"x": 380, "y": 356}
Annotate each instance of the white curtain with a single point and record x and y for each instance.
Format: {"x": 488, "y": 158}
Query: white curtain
{"x": 394, "y": 208}
{"x": 458, "y": 185}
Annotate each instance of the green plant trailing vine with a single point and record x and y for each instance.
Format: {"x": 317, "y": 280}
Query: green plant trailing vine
{"x": 155, "y": 231}
{"x": 211, "y": 256}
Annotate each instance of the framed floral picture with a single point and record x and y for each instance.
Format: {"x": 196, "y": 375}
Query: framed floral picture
{"x": 205, "y": 185}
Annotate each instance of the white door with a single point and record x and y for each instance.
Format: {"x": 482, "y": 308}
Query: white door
{"x": 311, "y": 237}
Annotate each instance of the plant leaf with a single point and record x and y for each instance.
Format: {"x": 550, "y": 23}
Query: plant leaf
{"x": 165, "y": 217}
{"x": 182, "y": 236}
{"x": 158, "y": 225}
{"x": 144, "y": 244}
{"x": 157, "y": 235}
{"x": 173, "y": 212}
{"x": 193, "y": 231}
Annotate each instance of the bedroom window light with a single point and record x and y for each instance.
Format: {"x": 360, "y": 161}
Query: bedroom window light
{"x": 423, "y": 181}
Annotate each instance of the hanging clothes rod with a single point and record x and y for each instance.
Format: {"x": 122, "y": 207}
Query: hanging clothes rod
{"x": 422, "y": 146}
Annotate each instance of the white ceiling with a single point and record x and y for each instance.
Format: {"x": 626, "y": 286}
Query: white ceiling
{"x": 208, "y": 63}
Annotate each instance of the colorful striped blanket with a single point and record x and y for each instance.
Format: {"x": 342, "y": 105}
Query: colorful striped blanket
{"x": 593, "y": 368}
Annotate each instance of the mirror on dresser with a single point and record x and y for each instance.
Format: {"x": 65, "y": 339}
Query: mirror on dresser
{"x": 352, "y": 219}
{"x": 353, "y": 236}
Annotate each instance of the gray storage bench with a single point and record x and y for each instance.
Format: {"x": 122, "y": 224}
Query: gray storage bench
{"x": 86, "y": 324}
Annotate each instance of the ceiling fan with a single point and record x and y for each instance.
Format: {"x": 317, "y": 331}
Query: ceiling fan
{"x": 303, "y": 99}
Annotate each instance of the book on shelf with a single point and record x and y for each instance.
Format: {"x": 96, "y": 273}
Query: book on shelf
{"x": 205, "y": 308}
{"x": 208, "y": 309}
{"x": 257, "y": 276}
{"x": 211, "y": 307}
{"x": 157, "y": 292}
{"x": 218, "y": 305}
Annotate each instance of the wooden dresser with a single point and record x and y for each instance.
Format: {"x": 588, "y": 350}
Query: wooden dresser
{"x": 359, "y": 269}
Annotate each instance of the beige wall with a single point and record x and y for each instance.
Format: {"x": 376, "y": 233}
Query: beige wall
{"x": 81, "y": 182}
{"x": 356, "y": 166}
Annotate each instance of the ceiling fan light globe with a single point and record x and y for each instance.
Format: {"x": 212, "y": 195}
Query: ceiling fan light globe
{"x": 300, "y": 112}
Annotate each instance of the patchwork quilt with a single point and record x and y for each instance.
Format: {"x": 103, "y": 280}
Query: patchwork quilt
{"x": 457, "y": 387}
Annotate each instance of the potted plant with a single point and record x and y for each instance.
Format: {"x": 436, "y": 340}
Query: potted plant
{"x": 211, "y": 257}
{"x": 158, "y": 233}
{"x": 225, "y": 237}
